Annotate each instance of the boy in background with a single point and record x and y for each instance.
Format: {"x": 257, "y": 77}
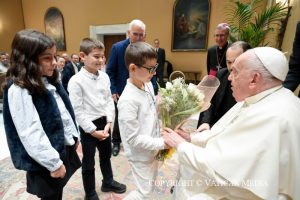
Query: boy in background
{"x": 138, "y": 121}
{"x": 89, "y": 91}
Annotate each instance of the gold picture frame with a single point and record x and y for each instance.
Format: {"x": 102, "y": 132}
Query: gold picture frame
{"x": 54, "y": 27}
{"x": 190, "y": 25}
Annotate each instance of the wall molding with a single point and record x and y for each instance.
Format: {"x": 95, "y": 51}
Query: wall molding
{"x": 98, "y": 32}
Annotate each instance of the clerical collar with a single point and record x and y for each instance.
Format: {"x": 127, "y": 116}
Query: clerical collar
{"x": 224, "y": 47}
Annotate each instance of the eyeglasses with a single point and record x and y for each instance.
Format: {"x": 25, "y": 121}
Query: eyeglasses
{"x": 138, "y": 34}
{"x": 151, "y": 70}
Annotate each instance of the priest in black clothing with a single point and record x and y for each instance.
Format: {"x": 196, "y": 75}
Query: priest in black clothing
{"x": 293, "y": 77}
{"x": 223, "y": 99}
{"x": 216, "y": 55}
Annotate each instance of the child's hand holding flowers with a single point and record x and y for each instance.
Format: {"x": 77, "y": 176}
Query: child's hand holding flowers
{"x": 179, "y": 101}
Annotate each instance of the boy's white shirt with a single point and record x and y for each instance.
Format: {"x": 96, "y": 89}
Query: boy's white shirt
{"x": 91, "y": 98}
{"x": 138, "y": 123}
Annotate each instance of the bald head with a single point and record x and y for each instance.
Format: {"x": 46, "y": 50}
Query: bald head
{"x": 235, "y": 49}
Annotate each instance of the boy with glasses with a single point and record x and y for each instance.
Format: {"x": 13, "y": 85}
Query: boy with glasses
{"x": 118, "y": 72}
{"x": 138, "y": 121}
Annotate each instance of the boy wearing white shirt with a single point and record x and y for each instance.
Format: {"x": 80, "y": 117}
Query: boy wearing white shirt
{"x": 138, "y": 121}
{"x": 89, "y": 91}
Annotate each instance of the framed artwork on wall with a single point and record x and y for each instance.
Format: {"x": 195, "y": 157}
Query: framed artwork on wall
{"x": 190, "y": 25}
{"x": 54, "y": 27}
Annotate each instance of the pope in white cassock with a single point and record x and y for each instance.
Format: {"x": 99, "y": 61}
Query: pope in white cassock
{"x": 253, "y": 151}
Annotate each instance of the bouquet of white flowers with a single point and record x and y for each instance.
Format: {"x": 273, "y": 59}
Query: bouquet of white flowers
{"x": 179, "y": 101}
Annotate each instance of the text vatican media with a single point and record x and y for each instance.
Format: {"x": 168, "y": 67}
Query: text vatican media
{"x": 209, "y": 182}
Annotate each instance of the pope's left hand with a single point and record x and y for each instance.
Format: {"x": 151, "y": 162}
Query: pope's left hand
{"x": 171, "y": 138}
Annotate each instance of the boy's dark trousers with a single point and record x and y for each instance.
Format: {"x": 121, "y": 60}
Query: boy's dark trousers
{"x": 116, "y": 138}
{"x": 89, "y": 145}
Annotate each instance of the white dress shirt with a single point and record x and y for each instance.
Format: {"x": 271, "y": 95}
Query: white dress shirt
{"x": 3, "y": 68}
{"x": 138, "y": 123}
{"x": 91, "y": 98}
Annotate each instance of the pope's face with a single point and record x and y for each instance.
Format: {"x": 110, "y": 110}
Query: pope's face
{"x": 240, "y": 79}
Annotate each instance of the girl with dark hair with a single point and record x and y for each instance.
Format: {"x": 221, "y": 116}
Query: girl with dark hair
{"x": 38, "y": 117}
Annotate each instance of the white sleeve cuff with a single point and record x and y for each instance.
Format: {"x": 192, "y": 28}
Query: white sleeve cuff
{"x": 55, "y": 167}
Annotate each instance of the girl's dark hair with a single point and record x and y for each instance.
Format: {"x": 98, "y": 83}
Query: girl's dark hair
{"x": 25, "y": 71}
{"x": 138, "y": 53}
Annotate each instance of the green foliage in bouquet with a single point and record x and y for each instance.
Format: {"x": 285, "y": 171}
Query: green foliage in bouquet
{"x": 177, "y": 102}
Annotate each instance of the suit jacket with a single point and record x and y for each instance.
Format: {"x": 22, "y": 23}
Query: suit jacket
{"x": 116, "y": 67}
{"x": 212, "y": 60}
{"x": 293, "y": 77}
{"x": 66, "y": 74}
{"x": 161, "y": 58}
{"x": 221, "y": 102}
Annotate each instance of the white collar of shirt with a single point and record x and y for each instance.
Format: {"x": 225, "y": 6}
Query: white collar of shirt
{"x": 146, "y": 89}
{"x": 259, "y": 96}
{"x": 48, "y": 86}
{"x": 90, "y": 75}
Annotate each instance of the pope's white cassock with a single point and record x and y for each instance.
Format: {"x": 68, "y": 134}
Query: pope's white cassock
{"x": 253, "y": 152}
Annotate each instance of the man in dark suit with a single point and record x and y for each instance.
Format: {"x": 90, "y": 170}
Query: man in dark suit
{"x": 293, "y": 78}
{"x": 118, "y": 72}
{"x": 70, "y": 68}
{"x": 161, "y": 58}
{"x": 223, "y": 99}
{"x": 216, "y": 55}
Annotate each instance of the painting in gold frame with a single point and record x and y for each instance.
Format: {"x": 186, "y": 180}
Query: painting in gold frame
{"x": 190, "y": 25}
{"x": 54, "y": 27}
